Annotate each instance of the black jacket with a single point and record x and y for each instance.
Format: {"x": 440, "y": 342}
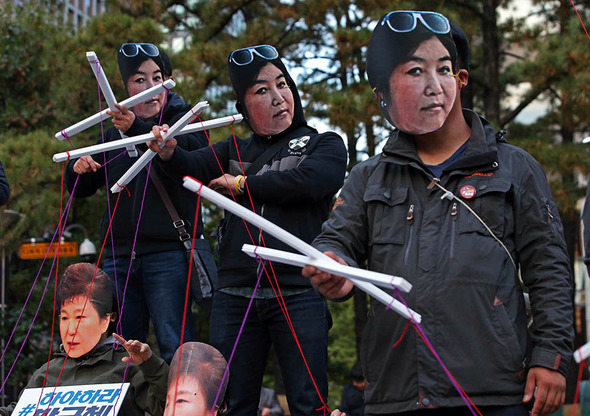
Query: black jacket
{"x": 156, "y": 232}
{"x": 464, "y": 283}
{"x": 4, "y": 188}
{"x": 294, "y": 190}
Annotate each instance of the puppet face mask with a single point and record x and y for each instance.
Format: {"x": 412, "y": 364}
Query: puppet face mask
{"x": 81, "y": 327}
{"x": 422, "y": 91}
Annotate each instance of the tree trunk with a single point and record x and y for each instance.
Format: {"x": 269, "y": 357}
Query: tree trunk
{"x": 491, "y": 62}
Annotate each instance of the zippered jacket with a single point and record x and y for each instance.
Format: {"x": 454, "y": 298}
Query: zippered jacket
{"x": 156, "y": 232}
{"x": 103, "y": 365}
{"x": 294, "y": 190}
{"x": 464, "y": 284}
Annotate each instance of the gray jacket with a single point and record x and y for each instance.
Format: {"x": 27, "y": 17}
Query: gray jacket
{"x": 464, "y": 283}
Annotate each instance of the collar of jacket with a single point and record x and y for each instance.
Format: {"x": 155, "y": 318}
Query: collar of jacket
{"x": 481, "y": 153}
{"x": 102, "y": 351}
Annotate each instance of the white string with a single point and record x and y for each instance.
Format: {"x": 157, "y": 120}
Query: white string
{"x": 449, "y": 195}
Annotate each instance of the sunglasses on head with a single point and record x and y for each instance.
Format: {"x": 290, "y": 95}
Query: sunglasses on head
{"x": 403, "y": 21}
{"x": 245, "y": 56}
{"x": 132, "y": 49}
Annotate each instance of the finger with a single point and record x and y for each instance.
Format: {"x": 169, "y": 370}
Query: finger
{"x": 122, "y": 109}
{"x": 119, "y": 338}
{"x": 529, "y": 388}
{"x": 540, "y": 401}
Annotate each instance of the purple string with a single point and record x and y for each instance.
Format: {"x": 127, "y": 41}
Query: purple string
{"x": 235, "y": 347}
{"x": 106, "y": 177}
{"x": 67, "y": 139}
{"x": 135, "y": 240}
{"x": 66, "y": 214}
{"x": 429, "y": 344}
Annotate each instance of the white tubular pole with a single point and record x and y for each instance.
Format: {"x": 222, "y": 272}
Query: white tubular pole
{"x": 107, "y": 92}
{"x": 149, "y": 154}
{"x": 129, "y": 103}
{"x": 294, "y": 242}
{"x": 582, "y": 353}
{"x": 378, "y": 279}
{"x": 142, "y": 138}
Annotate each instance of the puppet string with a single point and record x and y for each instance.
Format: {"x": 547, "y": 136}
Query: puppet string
{"x": 73, "y": 339}
{"x": 238, "y": 337}
{"x": 67, "y": 211}
{"x": 134, "y": 241}
{"x": 470, "y": 405}
{"x": 278, "y": 295}
{"x": 580, "y": 18}
{"x": 578, "y": 382}
{"x": 63, "y": 166}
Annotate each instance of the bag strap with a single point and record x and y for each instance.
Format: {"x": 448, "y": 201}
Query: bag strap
{"x": 273, "y": 150}
{"x": 179, "y": 224}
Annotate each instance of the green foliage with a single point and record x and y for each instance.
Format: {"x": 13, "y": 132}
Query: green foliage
{"x": 47, "y": 85}
{"x": 24, "y": 70}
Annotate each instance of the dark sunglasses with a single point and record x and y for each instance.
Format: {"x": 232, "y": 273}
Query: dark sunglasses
{"x": 245, "y": 56}
{"x": 404, "y": 21}
{"x": 132, "y": 49}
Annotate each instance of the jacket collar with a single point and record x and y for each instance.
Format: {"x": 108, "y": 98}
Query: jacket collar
{"x": 481, "y": 152}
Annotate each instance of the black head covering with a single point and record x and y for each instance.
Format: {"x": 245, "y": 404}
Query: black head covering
{"x": 128, "y": 65}
{"x": 462, "y": 44}
{"x": 243, "y": 76}
{"x": 388, "y": 49}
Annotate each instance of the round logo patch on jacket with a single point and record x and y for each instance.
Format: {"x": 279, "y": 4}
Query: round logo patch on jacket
{"x": 467, "y": 192}
{"x": 298, "y": 144}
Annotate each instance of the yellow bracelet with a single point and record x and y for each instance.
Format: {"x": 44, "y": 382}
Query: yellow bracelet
{"x": 237, "y": 184}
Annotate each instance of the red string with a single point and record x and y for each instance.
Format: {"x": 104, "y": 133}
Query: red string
{"x": 55, "y": 285}
{"x": 580, "y": 18}
{"x": 578, "y": 382}
{"x": 276, "y": 291}
{"x": 402, "y": 336}
{"x": 448, "y": 372}
{"x": 88, "y": 295}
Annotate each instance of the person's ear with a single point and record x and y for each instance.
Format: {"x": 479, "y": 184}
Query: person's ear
{"x": 462, "y": 78}
{"x": 104, "y": 324}
{"x": 381, "y": 100}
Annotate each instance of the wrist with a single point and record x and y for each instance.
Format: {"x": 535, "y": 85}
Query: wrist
{"x": 239, "y": 183}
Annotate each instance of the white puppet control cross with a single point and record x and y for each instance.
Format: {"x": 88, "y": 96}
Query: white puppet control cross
{"x": 363, "y": 279}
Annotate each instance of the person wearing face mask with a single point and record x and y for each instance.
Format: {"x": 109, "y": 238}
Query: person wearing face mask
{"x": 89, "y": 354}
{"x": 197, "y": 382}
{"x": 156, "y": 261}
{"x": 292, "y": 185}
{"x": 462, "y": 215}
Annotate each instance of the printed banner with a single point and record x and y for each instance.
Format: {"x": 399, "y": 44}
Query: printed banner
{"x": 83, "y": 400}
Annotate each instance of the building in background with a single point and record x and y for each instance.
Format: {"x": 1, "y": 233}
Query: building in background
{"x": 72, "y": 13}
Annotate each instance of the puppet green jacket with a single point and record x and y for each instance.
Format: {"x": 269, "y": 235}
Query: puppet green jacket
{"x": 148, "y": 381}
{"x": 465, "y": 285}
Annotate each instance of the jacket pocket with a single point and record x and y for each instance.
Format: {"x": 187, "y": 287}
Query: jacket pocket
{"x": 387, "y": 211}
{"x": 489, "y": 203}
{"x": 512, "y": 353}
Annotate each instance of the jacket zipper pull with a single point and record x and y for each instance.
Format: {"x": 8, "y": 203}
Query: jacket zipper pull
{"x": 410, "y": 216}
{"x": 454, "y": 211}
{"x": 549, "y": 213}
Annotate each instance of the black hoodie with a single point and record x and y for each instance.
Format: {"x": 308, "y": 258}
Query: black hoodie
{"x": 293, "y": 190}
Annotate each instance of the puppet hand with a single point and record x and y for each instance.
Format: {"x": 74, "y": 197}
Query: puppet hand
{"x": 337, "y": 412}
{"x": 168, "y": 150}
{"x": 550, "y": 394}
{"x": 86, "y": 164}
{"x": 122, "y": 119}
{"x": 329, "y": 285}
{"x": 138, "y": 351}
